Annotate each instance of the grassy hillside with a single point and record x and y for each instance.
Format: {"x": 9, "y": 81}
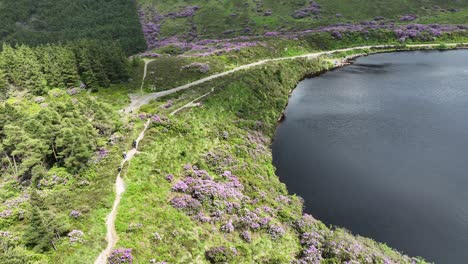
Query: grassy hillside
{"x": 221, "y": 19}
{"x": 46, "y": 21}
{"x": 203, "y": 188}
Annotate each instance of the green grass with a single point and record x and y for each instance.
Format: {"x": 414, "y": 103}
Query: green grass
{"x": 243, "y": 103}
{"x": 216, "y": 17}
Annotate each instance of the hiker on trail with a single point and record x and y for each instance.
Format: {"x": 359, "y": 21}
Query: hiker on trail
{"x": 119, "y": 169}
{"x": 134, "y": 144}
{"x": 124, "y": 155}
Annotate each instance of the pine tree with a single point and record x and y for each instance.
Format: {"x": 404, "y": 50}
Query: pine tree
{"x": 69, "y": 67}
{"x": 3, "y": 86}
{"x": 37, "y": 236}
{"x": 85, "y": 70}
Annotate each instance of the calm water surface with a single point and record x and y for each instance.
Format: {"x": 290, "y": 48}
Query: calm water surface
{"x": 381, "y": 148}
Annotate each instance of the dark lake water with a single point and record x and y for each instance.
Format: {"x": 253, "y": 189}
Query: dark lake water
{"x": 381, "y": 148}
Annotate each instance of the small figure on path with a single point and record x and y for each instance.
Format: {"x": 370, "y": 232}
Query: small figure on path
{"x": 119, "y": 169}
{"x": 134, "y": 144}
{"x": 124, "y": 155}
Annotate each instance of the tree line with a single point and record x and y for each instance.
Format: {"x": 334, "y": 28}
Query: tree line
{"x": 35, "y": 22}
{"x": 85, "y": 63}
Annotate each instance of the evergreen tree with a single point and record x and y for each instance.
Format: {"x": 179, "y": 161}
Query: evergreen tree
{"x": 3, "y": 86}
{"x": 38, "y": 235}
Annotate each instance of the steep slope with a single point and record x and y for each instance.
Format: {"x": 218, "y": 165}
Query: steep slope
{"x": 196, "y": 20}
{"x": 45, "y": 21}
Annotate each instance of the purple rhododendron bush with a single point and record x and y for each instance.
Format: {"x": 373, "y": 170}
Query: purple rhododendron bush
{"x": 204, "y": 188}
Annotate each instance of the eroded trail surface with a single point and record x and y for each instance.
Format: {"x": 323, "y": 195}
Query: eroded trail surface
{"x": 111, "y": 235}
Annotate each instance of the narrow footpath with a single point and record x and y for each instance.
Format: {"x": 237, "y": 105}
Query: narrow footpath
{"x": 142, "y": 99}
{"x": 111, "y": 235}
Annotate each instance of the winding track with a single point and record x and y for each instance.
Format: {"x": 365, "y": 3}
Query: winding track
{"x": 111, "y": 235}
{"x": 140, "y": 100}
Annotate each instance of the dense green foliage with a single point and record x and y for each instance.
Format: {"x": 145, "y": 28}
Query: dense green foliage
{"x": 55, "y": 144}
{"x": 49, "y": 21}
{"x": 83, "y": 64}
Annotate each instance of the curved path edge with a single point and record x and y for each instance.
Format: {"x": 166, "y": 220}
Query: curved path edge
{"x": 111, "y": 236}
{"x": 139, "y": 100}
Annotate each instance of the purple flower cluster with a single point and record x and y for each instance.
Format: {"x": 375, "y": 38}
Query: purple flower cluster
{"x": 168, "y": 104}
{"x": 312, "y": 9}
{"x": 200, "y": 67}
{"x": 121, "y": 256}
{"x": 75, "y": 214}
{"x": 5, "y": 234}
{"x": 245, "y": 235}
{"x": 169, "y": 177}
{"x": 75, "y": 236}
{"x": 6, "y": 213}
{"x": 409, "y": 17}
{"x": 337, "y": 35}
{"x": 310, "y": 255}
{"x": 419, "y": 31}
{"x": 249, "y": 220}
{"x": 151, "y": 23}
{"x": 276, "y": 231}
{"x": 186, "y": 202}
{"x": 101, "y": 154}
{"x": 228, "y": 227}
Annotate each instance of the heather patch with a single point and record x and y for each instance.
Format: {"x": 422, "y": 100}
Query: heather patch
{"x": 121, "y": 256}
{"x": 312, "y": 9}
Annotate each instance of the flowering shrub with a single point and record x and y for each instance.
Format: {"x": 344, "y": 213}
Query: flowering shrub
{"x": 186, "y": 202}
{"x": 245, "y": 235}
{"x": 220, "y": 254}
{"x": 120, "y": 256}
{"x": 276, "y": 231}
{"x": 169, "y": 104}
{"x": 75, "y": 236}
{"x": 312, "y": 8}
{"x": 75, "y": 214}
{"x": 169, "y": 177}
{"x": 409, "y": 17}
{"x": 337, "y": 35}
{"x": 228, "y": 227}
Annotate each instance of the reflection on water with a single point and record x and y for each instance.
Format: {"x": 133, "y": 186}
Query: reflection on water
{"x": 381, "y": 148}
